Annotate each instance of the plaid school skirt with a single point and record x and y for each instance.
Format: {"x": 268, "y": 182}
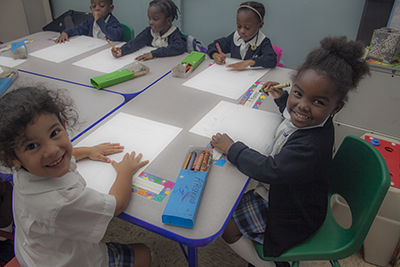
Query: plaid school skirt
{"x": 120, "y": 255}
{"x": 250, "y": 216}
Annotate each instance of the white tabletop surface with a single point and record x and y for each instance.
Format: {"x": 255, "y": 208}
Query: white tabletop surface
{"x": 91, "y": 104}
{"x": 65, "y": 70}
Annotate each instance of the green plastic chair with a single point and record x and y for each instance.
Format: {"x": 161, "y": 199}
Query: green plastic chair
{"x": 360, "y": 175}
{"x": 128, "y": 32}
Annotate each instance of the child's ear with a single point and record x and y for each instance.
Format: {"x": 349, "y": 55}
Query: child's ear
{"x": 260, "y": 25}
{"x": 338, "y": 107}
{"x": 170, "y": 20}
{"x": 16, "y": 163}
{"x": 111, "y": 8}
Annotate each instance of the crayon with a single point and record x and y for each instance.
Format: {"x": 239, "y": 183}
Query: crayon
{"x": 279, "y": 86}
{"x": 205, "y": 161}
{"x": 195, "y": 162}
{"x": 192, "y": 157}
{"x": 112, "y": 45}
{"x": 187, "y": 161}
{"x": 199, "y": 161}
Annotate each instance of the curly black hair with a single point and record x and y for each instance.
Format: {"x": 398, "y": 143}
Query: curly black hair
{"x": 168, "y": 8}
{"x": 257, "y": 6}
{"x": 341, "y": 61}
{"x": 22, "y": 106}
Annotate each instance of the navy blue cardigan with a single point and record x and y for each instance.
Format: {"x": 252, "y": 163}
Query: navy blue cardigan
{"x": 176, "y": 44}
{"x": 299, "y": 184}
{"x": 263, "y": 56}
{"x": 112, "y": 29}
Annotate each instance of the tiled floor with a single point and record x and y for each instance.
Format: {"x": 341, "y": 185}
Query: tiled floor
{"x": 167, "y": 253}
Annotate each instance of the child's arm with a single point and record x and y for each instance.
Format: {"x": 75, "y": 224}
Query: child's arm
{"x": 242, "y": 65}
{"x": 98, "y": 152}
{"x": 215, "y": 53}
{"x": 141, "y": 40}
{"x": 176, "y": 46}
{"x": 81, "y": 29}
{"x": 222, "y": 142}
{"x": 122, "y": 187}
{"x": 112, "y": 29}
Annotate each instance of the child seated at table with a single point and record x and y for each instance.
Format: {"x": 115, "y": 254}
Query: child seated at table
{"x": 6, "y": 220}
{"x": 247, "y": 43}
{"x": 58, "y": 220}
{"x": 291, "y": 199}
{"x": 161, "y": 33}
{"x": 102, "y": 25}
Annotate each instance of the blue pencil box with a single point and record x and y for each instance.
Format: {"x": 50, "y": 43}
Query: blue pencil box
{"x": 184, "y": 200}
{"x": 5, "y": 83}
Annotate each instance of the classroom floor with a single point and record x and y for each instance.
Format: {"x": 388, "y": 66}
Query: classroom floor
{"x": 167, "y": 253}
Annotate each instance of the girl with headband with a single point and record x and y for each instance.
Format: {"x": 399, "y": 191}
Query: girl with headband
{"x": 247, "y": 43}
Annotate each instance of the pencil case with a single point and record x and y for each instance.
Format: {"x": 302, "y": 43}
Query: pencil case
{"x": 184, "y": 200}
{"x": 119, "y": 76}
{"x": 7, "y": 78}
{"x": 188, "y": 64}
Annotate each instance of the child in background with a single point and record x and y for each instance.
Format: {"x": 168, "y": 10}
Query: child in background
{"x": 161, "y": 33}
{"x": 290, "y": 202}
{"x": 58, "y": 220}
{"x": 103, "y": 25}
{"x": 247, "y": 42}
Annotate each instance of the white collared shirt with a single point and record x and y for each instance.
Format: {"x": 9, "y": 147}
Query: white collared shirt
{"x": 238, "y": 41}
{"x": 59, "y": 221}
{"x": 161, "y": 41}
{"x": 97, "y": 32}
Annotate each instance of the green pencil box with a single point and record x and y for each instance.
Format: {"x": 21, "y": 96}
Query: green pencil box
{"x": 184, "y": 200}
{"x": 112, "y": 78}
{"x": 119, "y": 76}
{"x": 194, "y": 59}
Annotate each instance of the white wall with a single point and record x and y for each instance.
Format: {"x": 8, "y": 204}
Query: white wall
{"x": 295, "y": 26}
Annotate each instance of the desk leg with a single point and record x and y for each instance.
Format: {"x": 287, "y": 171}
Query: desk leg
{"x": 192, "y": 255}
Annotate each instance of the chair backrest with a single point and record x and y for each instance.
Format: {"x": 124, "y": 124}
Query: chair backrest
{"x": 360, "y": 175}
{"x": 278, "y": 51}
{"x": 128, "y": 32}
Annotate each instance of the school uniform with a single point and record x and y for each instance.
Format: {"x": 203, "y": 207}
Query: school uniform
{"x": 258, "y": 49}
{"x": 294, "y": 204}
{"x": 110, "y": 28}
{"x": 59, "y": 221}
{"x": 171, "y": 43}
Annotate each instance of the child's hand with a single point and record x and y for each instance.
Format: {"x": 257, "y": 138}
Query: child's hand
{"x": 129, "y": 164}
{"x": 96, "y": 15}
{"x": 275, "y": 93}
{"x": 241, "y": 65}
{"x": 99, "y": 152}
{"x": 222, "y": 142}
{"x": 62, "y": 38}
{"x": 117, "y": 52}
{"x": 145, "y": 57}
{"x": 219, "y": 59}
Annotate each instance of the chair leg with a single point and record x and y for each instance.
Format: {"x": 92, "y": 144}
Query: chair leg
{"x": 334, "y": 263}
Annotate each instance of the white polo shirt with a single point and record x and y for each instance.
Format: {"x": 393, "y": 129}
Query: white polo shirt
{"x": 59, "y": 221}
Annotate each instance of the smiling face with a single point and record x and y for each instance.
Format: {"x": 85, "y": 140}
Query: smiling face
{"x": 102, "y": 7}
{"x": 247, "y": 24}
{"x": 312, "y": 99}
{"x": 46, "y": 150}
{"x": 157, "y": 20}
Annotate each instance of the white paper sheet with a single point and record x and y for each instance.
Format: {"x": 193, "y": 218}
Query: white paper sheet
{"x": 105, "y": 62}
{"x": 76, "y": 46}
{"x": 220, "y": 80}
{"x": 256, "y": 128}
{"x": 135, "y": 134}
{"x": 10, "y": 62}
